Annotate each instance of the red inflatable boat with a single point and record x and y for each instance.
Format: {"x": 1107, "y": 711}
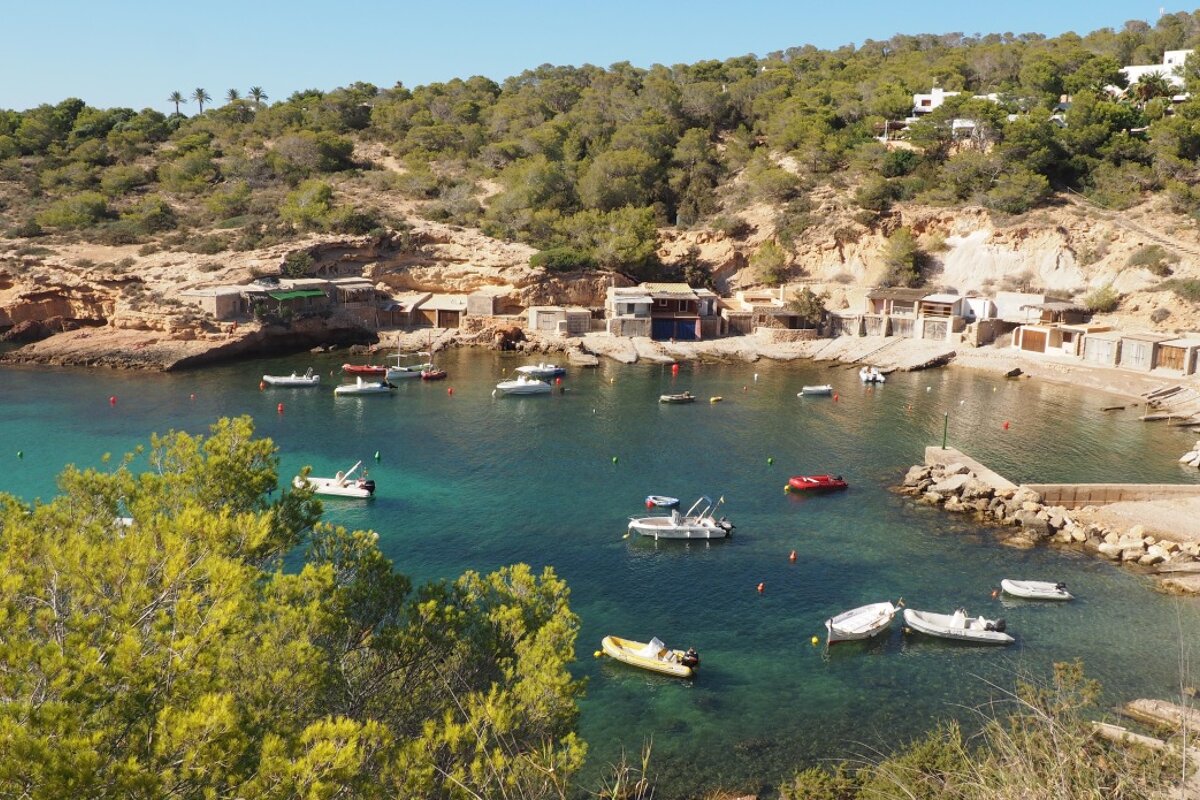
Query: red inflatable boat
{"x": 366, "y": 370}
{"x": 815, "y": 483}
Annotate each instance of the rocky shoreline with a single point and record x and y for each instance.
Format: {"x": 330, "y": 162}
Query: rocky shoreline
{"x": 1023, "y": 520}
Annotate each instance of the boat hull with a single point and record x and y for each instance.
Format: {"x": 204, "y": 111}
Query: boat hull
{"x": 939, "y": 625}
{"x": 814, "y": 483}
{"x": 676, "y": 399}
{"x": 366, "y": 370}
{"x": 521, "y": 387}
{"x": 1035, "y": 590}
{"x": 661, "y": 501}
{"x": 291, "y": 381}
{"x": 542, "y": 371}
{"x": 815, "y": 391}
{"x": 688, "y": 528}
{"x": 624, "y": 650}
{"x": 860, "y": 623}
{"x": 331, "y": 487}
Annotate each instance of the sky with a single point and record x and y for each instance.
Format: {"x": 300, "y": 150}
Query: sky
{"x": 136, "y": 52}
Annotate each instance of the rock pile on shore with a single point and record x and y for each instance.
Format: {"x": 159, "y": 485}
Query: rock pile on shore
{"x": 1191, "y": 457}
{"x": 956, "y": 488}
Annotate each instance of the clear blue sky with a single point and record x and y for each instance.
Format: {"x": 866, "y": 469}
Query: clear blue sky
{"x": 135, "y": 52}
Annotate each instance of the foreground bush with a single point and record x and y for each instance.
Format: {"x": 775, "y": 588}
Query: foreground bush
{"x": 173, "y": 656}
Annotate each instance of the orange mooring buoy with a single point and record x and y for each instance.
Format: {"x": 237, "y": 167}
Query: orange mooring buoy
{"x": 279, "y": 408}
{"x": 262, "y": 385}
{"x": 835, "y": 397}
{"x": 1005, "y": 425}
{"x": 112, "y": 399}
{"x": 792, "y": 556}
{"x": 450, "y": 390}
{"x": 674, "y": 369}
{"x": 762, "y": 587}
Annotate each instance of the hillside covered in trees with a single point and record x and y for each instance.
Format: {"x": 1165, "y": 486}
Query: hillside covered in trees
{"x": 587, "y": 164}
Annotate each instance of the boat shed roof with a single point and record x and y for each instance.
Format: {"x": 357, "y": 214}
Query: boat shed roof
{"x": 669, "y": 290}
{"x": 445, "y": 302}
{"x": 295, "y": 294}
{"x": 1107, "y": 336}
{"x": 1146, "y": 336}
{"x": 213, "y": 291}
{"x": 942, "y": 298}
{"x": 1183, "y": 341}
{"x": 1055, "y": 305}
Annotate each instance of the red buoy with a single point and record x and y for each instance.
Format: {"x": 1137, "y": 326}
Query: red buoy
{"x": 450, "y": 390}
{"x": 792, "y": 556}
{"x": 262, "y": 385}
{"x": 1005, "y": 425}
{"x": 762, "y": 587}
{"x": 835, "y": 397}
{"x": 112, "y": 399}
{"x": 558, "y": 381}
{"x": 674, "y": 369}
{"x": 279, "y": 408}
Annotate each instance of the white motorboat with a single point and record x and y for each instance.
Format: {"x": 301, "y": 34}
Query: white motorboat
{"x": 293, "y": 380}
{"x": 364, "y": 387}
{"x": 958, "y": 626}
{"x": 400, "y": 370}
{"x": 542, "y": 370}
{"x": 1036, "y": 590}
{"x": 700, "y": 522}
{"x": 871, "y": 375}
{"x": 809, "y": 391}
{"x": 523, "y": 385}
{"x": 860, "y": 623}
{"x": 340, "y": 485}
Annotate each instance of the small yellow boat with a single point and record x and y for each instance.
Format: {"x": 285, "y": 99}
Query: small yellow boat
{"x": 653, "y": 655}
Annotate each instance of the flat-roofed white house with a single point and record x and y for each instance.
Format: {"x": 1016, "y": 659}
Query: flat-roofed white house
{"x": 1171, "y": 68}
{"x": 222, "y": 302}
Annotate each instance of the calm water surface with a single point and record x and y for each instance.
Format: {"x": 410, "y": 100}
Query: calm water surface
{"x": 468, "y": 481}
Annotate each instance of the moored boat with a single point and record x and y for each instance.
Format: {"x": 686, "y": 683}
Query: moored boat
{"x": 699, "y": 522}
{"x": 860, "y": 623}
{"x": 411, "y": 370}
{"x": 1036, "y": 590}
{"x": 542, "y": 370}
{"x": 293, "y": 380}
{"x": 340, "y": 485}
{"x": 958, "y": 626}
{"x": 364, "y": 387}
{"x": 653, "y": 655}
{"x": 433, "y": 374}
{"x": 523, "y": 385}
{"x": 871, "y": 375}
{"x": 677, "y": 399}
{"x": 366, "y": 370}
{"x": 661, "y": 501}
{"x": 815, "y": 483}
{"x": 811, "y": 391}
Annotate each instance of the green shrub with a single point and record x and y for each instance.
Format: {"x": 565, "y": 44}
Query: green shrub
{"x": 903, "y": 258}
{"x": 206, "y": 245}
{"x": 732, "y": 227}
{"x": 562, "y": 259}
{"x": 771, "y": 262}
{"x": 1102, "y": 300}
{"x": 28, "y": 229}
{"x": 1184, "y": 288}
{"x": 297, "y": 264}
{"x": 122, "y": 179}
{"x": 229, "y": 200}
{"x": 1154, "y": 258}
{"x": 151, "y": 214}
{"x": 309, "y": 207}
{"x": 353, "y": 221}
{"x": 75, "y": 212}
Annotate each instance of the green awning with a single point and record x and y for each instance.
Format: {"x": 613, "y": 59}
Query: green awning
{"x": 295, "y": 293}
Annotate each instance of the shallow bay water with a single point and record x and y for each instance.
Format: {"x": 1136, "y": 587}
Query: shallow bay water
{"x": 468, "y": 481}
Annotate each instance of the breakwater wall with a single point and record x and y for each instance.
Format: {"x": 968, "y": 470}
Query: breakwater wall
{"x": 1078, "y": 495}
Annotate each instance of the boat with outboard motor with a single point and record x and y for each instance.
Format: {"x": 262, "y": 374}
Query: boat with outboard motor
{"x": 340, "y": 485}
{"x": 815, "y": 391}
{"x": 871, "y": 375}
{"x": 814, "y": 483}
{"x": 542, "y": 370}
{"x": 958, "y": 626}
{"x": 653, "y": 655}
{"x": 860, "y": 623}
{"x": 1036, "y": 590}
{"x": 699, "y": 522}
{"x": 522, "y": 385}
{"x": 293, "y": 381}
{"x": 364, "y": 387}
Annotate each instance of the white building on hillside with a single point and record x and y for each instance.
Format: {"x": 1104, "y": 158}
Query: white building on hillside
{"x": 1171, "y": 68}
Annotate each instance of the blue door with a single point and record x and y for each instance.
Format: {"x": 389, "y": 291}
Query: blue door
{"x": 682, "y": 330}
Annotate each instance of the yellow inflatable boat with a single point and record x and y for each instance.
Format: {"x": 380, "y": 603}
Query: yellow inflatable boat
{"x": 653, "y": 655}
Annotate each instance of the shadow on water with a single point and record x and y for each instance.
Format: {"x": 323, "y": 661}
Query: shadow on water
{"x": 467, "y": 481}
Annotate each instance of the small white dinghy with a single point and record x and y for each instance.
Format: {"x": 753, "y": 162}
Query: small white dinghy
{"x": 293, "y": 380}
{"x": 697, "y": 523}
{"x": 413, "y": 369}
{"x": 1036, "y": 590}
{"x": 958, "y": 626}
{"x": 810, "y": 391}
{"x": 871, "y": 375}
{"x": 522, "y": 385}
{"x": 340, "y": 485}
{"x": 860, "y": 623}
{"x": 363, "y": 387}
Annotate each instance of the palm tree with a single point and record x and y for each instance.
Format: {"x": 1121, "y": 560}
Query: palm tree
{"x": 233, "y": 95}
{"x": 1151, "y": 86}
{"x": 201, "y": 97}
{"x": 176, "y": 98}
{"x": 257, "y": 96}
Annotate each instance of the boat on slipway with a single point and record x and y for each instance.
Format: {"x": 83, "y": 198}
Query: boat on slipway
{"x": 542, "y": 370}
{"x": 364, "y": 387}
{"x": 653, "y": 655}
{"x": 860, "y": 623}
{"x": 522, "y": 385}
{"x": 340, "y": 485}
{"x": 958, "y": 626}
{"x": 293, "y": 380}
{"x": 699, "y": 522}
{"x": 1036, "y": 590}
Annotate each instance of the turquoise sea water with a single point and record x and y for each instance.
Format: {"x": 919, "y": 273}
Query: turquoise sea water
{"x": 468, "y": 481}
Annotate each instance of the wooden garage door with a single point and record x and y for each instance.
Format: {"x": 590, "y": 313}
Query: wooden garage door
{"x": 1033, "y": 341}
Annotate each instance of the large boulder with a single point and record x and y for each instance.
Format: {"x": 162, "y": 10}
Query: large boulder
{"x": 1109, "y": 550}
{"x": 975, "y": 489}
{"x": 1031, "y": 523}
{"x": 1024, "y": 495}
{"x": 916, "y": 474}
{"x": 951, "y": 485}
